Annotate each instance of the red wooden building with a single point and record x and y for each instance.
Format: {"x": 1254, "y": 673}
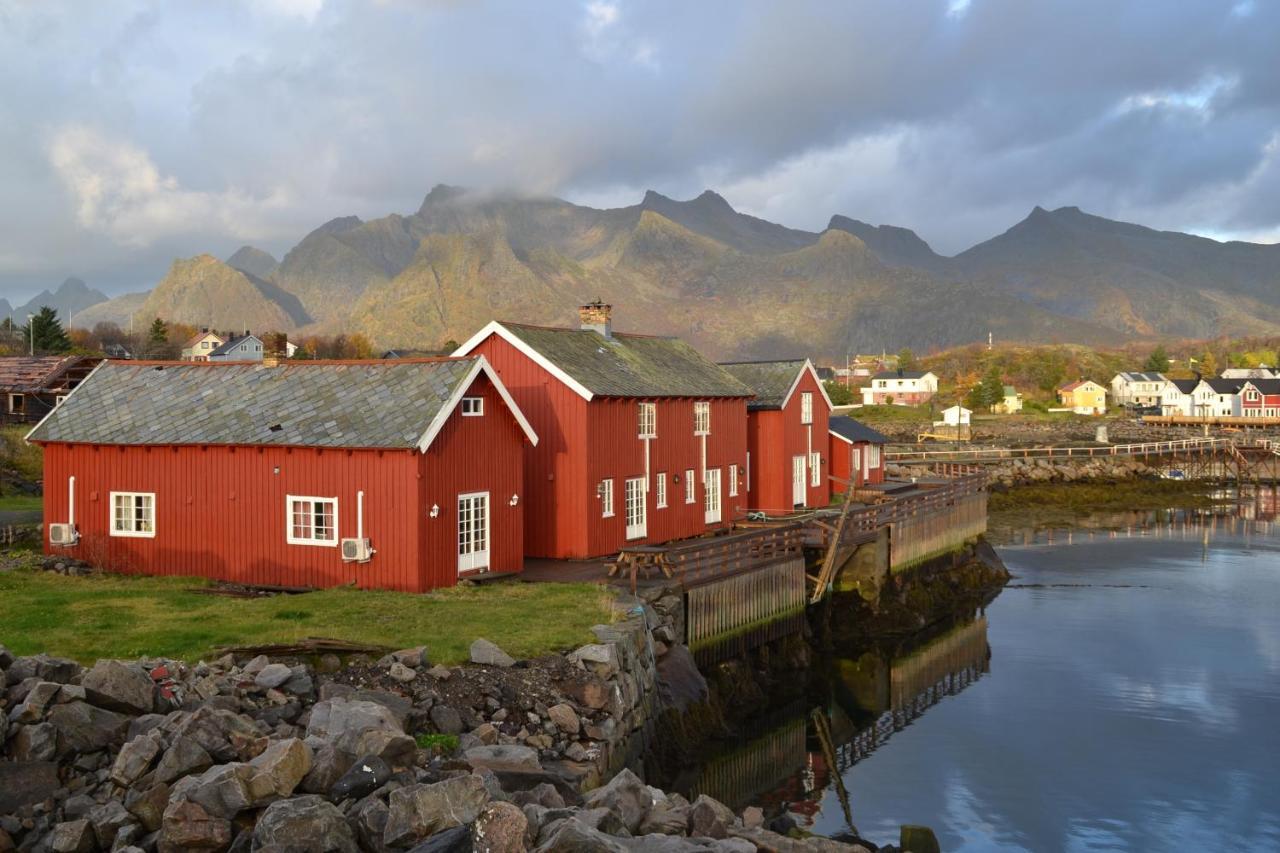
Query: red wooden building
{"x": 1260, "y": 398}
{"x": 388, "y": 474}
{"x": 786, "y": 435}
{"x": 857, "y": 454}
{"x": 642, "y": 439}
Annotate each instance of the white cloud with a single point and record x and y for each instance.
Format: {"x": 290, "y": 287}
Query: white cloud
{"x": 957, "y": 8}
{"x": 118, "y": 191}
{"x": 306, "y": 10}
{"x": 606, "y": 38}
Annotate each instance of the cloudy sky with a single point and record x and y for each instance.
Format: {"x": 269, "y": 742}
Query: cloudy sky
{"x": 137, "y": 131}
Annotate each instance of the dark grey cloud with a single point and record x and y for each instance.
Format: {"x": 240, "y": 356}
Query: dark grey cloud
{"x": 139, "y": 131}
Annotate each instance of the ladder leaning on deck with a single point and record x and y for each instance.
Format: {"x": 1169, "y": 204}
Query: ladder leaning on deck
{"x": 829, "y": 561}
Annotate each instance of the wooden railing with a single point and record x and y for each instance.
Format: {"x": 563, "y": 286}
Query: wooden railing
{"x": 1000, "y": 454}
{"x": 698, "y": 561}
{"x": 929, "y": 499}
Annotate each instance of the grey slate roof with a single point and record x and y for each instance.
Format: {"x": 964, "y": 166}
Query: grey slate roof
{"x": 900, "y": 374}
{"x": 771, "y": 380}
{"x": 1225, "y": 386}
{"x": 630, "y": 365}
{"x": 327, "y": 404}
{"x": 1186, "y": 386}
{"x": 1137, "y": 376}
{"x": 847, "y": 427}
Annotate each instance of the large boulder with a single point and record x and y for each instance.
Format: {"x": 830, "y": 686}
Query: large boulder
{"x": 500, "y": 828}
{"x": 183, "y": 757}
{"x": 565, "y": 718}
{"x": 710, "y": 818}
{"x": 304, "y": 824}
{"x": 39, "y": 699}
{"x": 343, "y": 722}
{"x": 187, "y": 826}
{"x": 418, "y": 811}
{"x": 272, "y": 675}
{"x": 86, "y": 728}
{"x": 225, "y": 735}
{"x": 281, "y": 767}
{"x": 34, "y": 743}
{"x": 503, "y": 757}
{"x": 135, "y": 759}
{"x": 73, "y": 836}
{"x": 120, "y": 686}
{"x": 574, "y": 836}
{"x": 485, "y": 652}
{"x": 626, "y": 796}
{"x": 148, "y": 806}
{"x": 43, "y": 667}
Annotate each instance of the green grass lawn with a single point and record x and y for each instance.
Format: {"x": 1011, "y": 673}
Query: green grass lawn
{"x": 117, "y": 616}
{"x": 9, "y": 503}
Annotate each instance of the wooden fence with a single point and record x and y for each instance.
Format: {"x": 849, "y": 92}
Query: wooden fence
{"x": 710, "y": 558}
{"x": 754, "y": 605}
{"x": 988, "y": 455}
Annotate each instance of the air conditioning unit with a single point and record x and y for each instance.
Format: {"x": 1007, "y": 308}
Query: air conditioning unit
{"x": 356, "y": 550}
{"x": 63, "y": 534}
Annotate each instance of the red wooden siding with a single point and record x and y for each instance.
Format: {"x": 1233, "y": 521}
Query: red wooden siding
{"x": 555, "y": 472}
{"x": 473, "y": 454}
{"x": 842, "y": 464}
{"x": 777, "y": 435}
{"x": 616, "y": 451}
{"x": 221, "y": 512}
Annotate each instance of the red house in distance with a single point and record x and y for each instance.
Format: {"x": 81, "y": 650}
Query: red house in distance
{"x": 857, "y": 454}
{"x": 388, "y": 474}
{"x": 643, "y": 440}
{"x": 786, "y": 435}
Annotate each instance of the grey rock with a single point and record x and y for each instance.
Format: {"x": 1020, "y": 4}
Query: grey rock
{"x": 626, "y": 796}
{"x": 733, "y": 845}
{"x": 418, "y": 811}
{"x": 300, "y": 683}
{"x": 272, "y": 675}
{"x": 574, "y": 836}
{"x": 36, "y": 703}
{"x": 668, "y": 817}
{"x": 489, "y": 654}
{"x": 365, "y": 776}
{"x": 669, "y": 844}
{"x": 369, "y": 822}
{"x": 86, "y": 728}
{"x": 752, "y": 817}
{"x": 35, "y": 743}
{"x": 279, "y": 769}
{"x": 344, "y": 721}
{"x": 447, "y": 720}
{"x": 328, "y": 765}
{"x": 440, "y": 672}
{"x": 135, "y": 759}
{"x": 710, "y": 818}
{"x": 500, "y": 828}
{"x": 184, "y": 757}
{"x": 601, "y": 658}
{"x": 119, "y": 686}
{"x": 455, "y": 840}
{"x": 44, "y": 667}
{"x": 402, "y": 673}
{"x": 73, "y": 836}
{"x": 413, "y": 658}
{"x": 107, "y": 819}
{"x": 565, "y": 718}
{"x": 303, "y": 824}
{"x": 503, "y": 757}
{"x": 224, "y": 791}
{"x": 6, "y": 659}
{"x": 148, "y": 806}
{"x": 218, "y": 731}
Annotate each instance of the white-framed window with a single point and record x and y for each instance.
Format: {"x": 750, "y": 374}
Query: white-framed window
{"x": 204, "y": 344}
{"x": 133, "y": 514}
{"x": 873, "y": 456}
{"x": 634, "y": 509}
{"x": 855, "y": 463}
{"x": 660, "y": 489}
{"x": 647, "y": 420}
{"x": 689, "y": 493}
{"x": 606, "y": 498}
{"x": 815, "y": 470}
{"x": 311, "y": 520}
{"x": 472, "y": 407}
{"x": 806, "y": 407}
{"x": 733, "y": 481}
{"x": 702, "y": 418}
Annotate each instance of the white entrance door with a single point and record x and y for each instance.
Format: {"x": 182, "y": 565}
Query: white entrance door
{"x": 637, "y": 517}
{"x": 473, "y": 532}
{"x": 711, "y": 484}
{"x": 797, "y": 481}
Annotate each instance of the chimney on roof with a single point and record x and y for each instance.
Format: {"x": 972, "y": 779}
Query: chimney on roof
{"x": 597, "y": 317}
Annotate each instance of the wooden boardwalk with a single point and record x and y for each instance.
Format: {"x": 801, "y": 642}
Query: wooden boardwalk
{"x": 997, "y": 455}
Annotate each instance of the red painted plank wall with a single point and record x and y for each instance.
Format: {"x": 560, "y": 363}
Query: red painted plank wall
{"x": 473, "y": 454}
{"x": 615, "y": 451}
{"x": 842, "y": 465}
{"x": 778, "y": 436}
{"x": 555, "y": 472}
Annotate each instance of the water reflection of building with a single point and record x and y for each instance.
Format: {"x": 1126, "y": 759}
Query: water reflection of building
{"x": 1253, "y": 512}
{"x": 869, "y": 698}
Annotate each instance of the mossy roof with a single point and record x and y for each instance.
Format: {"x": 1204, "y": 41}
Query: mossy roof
{"x": 770, "y": 380}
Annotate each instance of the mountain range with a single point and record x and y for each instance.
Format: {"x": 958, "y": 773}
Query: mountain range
{"x": 734, "y": 285}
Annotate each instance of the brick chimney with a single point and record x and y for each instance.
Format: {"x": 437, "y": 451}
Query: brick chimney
{"x": 596, "y": 317}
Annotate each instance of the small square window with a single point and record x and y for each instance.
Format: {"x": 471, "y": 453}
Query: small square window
{"x": 472, "y": 407}
{"x": 311, "y": 521}
{"x": 133, "y": 514}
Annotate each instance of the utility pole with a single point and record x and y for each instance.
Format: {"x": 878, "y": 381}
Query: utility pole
{"x": 31, "y": 333}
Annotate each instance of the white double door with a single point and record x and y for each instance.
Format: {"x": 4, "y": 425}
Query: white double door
{"x": 711, "y": 485}
{"x": 637, "y": 514}
{"x": 473, "y": 532}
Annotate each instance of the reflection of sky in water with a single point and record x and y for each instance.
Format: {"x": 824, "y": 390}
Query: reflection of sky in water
{"x": 1137, "y": 716}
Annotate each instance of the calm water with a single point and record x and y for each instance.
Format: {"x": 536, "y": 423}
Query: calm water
{"x": 1122, "y": 694}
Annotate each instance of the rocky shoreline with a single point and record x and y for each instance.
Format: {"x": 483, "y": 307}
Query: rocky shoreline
{"x": 1025, "y": 472}
{"x": 393, "y": 754}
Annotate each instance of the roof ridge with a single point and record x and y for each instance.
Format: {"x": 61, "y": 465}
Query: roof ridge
{"x": 572, "y": 329}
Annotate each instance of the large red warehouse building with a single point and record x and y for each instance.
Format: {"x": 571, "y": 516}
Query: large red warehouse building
{"x": 391, "y": 474}
{"x": 786, "y": 435}
{"x": 642, "y": 439}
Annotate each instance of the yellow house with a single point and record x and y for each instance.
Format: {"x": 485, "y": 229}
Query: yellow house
{"x": 199, "y": 347}
{"x": 1084, "y": 397}
{"x": 1010, "y": 404}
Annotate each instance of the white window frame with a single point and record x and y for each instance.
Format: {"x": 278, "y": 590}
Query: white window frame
{"x": 134, "y": 532}
{"x": 647, "y": 420}
{"x": 690, "y": 493}
{"x": 18, "y": 410}
{"x": 290, "y": 539}
{"x": 806, "y": 407}
{"x": 606, "y": 498}
{"x": 472, "y": 407}
{"x": 815, "y": 469}
{"x": 855, "y": 463}
{"x": 712, "y": 507}
{"x": 661, "y": 491}
{"x": 873, "y": 456}
{"x": 635, "y": 508}
{"x": 702, "y": 418}
{"x": 733, "y": 481}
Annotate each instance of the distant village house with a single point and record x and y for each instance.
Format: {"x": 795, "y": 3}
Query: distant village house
{"x": 901, "y": 388}
{"x": 1083, "y": 397}
{"x": 1137, "y": 389}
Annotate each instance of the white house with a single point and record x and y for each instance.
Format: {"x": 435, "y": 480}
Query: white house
{"x": 955, "y": 416}
{"x": 901, "y": 388}
{"x": 1177, "y": 396}
{"x": 1216, "y": 398}
{"x": 1137, "y": 389}
{"x": 246, "y": 347}
{"x": 1251, "y": 373}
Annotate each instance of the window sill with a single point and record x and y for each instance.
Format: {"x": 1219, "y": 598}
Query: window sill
{"x": 321, "y": 543}
{"x": 127, "y": 534}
